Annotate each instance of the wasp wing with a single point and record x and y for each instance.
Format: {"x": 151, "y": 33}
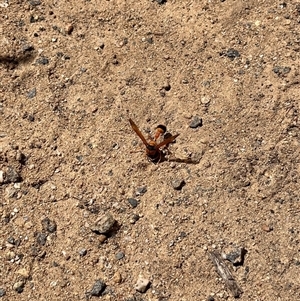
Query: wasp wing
{"x": 167, "y": 141}
{"x": 138, "y": 132}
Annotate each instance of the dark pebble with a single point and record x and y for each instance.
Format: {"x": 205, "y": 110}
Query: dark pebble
{"x": 41, "y": 238}
{"x": 281, "y": 70}
{"x": 12, "y": 176}
{"x": 55, "y": 264}
{"x": 210, "y": 298}
{"x": 2, "y": 292}
{"x": 31, "y": 118}
{"x": 34, "y": 19}
{"x": 69, "y": 28}
{"x": 108, "y": 291}
{"x": 101, "y": 45}
{"x": 42, "y": 61}
{"x": 177, "y": 184}
{"x": 141, "y": 190}
{"x": 120, "y": 255}
{"x": 79, "y": 158}
{"x": 82, "y": 252}
{"x": 34, "y": 2}
{"x": 183, "y": 234}
{"x": 31, "y": 93}
{"x": 232, "y": 53}
{"x": 196, "y": 122}
{"x": 134, "y": 218}
{"x": 98, "y": 288}
{"x": 161, "y": 1}
{"x": 48, "y": 225}
{"x": 162, "y": 92}
{"x": 149, "y": 40}
{"x": 133, "y": 202}
{"x": 28, "y": 48}
{"x": 236, "y": 256}
{"x": 167, "y": 87}
{"x": 11, "y": 240}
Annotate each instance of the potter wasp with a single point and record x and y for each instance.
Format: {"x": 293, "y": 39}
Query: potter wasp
{"x": 153, "y": 146}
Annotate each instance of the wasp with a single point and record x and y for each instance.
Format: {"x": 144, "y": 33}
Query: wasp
{"x": 153, "y": 147}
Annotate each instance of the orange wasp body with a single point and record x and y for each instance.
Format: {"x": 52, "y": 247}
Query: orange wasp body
{"x": 153, "y": 148}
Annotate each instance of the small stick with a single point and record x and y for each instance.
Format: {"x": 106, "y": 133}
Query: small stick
{"x": 226, "y": 275}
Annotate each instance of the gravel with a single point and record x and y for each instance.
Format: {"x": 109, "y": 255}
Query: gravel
{"x": 133, "y": 202}
{"x": 120, "y": 255}
{"x": 177, "y": 184}
{"x": 48, "y": 225}
{"x": 196, "y": 122}
{"x": 232, "y": 53}
{"x": 104, "y": 224}
{"x": 2, "y": 292}
{"x": 142, "y": 284}
{"x": 98, "y": 288}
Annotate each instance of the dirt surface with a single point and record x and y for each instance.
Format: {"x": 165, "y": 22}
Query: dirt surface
{"x": 72, "y": 73}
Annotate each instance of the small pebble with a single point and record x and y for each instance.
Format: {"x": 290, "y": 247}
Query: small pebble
{"x": 11, "y": 240}
{"x": 31, "y": 93}
{"x": 41, "y": 238}
{"x": 69, "y": 28}
{"x": 236, "y": 256}
{"x": 23, "y": 272}
{"x": 196, "y": 122}
{"x": 98, "y": 288}
{"x": 34, "y": 2}
{"x": 134, "y": 219}
{"x": 232, "y": 53}
{"x": 280, "y": 71}
{"x": 167, "y": 87}
{"x": 205, "y": 100}
{"x": 141, "y": 190}
{"x": 2, "y": 292}
{"x": 102, "y": 238}
{"x": 20, "y": 157}
{"x": 104, "y": 224}
{"x": 66, "y": 255}
{"x": 82, "y": 252}
{"x": 101, "y": 45}
{"x": 48, "y": 225}
{"x": 177, "y": 184}
{"x": 34, "y": 19}
{"x": 19, "y": 286}
{"x": 117, "y": 278}
{"x": 120, "y": 255}
{"x": 27, "y": 48}
{"x": 42, "y": 61}
{"x": 142, "y": 284}
{"x": 10, "y": 255}
{"x": 1, "y": 176}
{"x": 12, "y": 176}
{"x": 266, "y": 228}
{"x": 162, "y": 92}
{"x": 133, "y": 202}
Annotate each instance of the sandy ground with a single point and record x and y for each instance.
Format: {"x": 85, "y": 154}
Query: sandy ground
{"x": 72, "y": 73}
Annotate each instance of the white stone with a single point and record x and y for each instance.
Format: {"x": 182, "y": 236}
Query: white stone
{"x": 142, "y": 284}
